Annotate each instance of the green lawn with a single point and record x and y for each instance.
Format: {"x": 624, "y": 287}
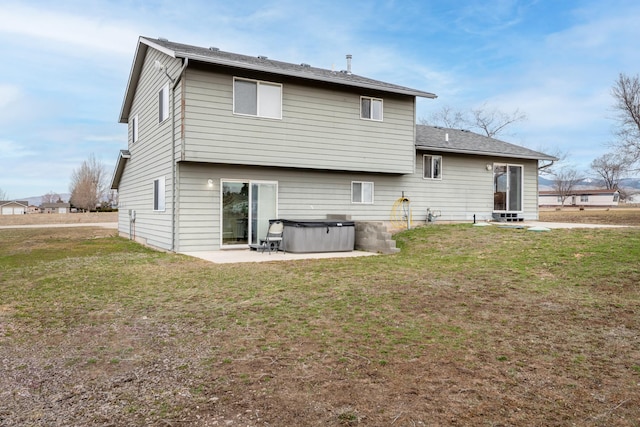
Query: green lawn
{"x": 466, "y": 326}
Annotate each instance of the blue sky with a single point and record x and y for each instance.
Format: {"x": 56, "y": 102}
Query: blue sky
{"x": 65, "y": 65}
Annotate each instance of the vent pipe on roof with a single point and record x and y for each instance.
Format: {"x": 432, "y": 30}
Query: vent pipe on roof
{"x": 349, "y": 63}
{"x": 446, "y": 137}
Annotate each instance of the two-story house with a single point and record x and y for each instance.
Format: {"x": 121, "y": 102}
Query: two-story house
{"x": 219, "y": 143}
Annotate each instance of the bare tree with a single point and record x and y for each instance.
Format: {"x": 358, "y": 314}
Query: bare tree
{"x": 88, "y": 184}
{"x": 51, "y": 197}
{"x": 552, "y": 167}
{"x": 487, "y": 120}
{"x": 446, "y": 117}
{"x": 565, "y": 181}
{"x": 493, "y": 121}
{"x": 3, "y": 194}
{"x": 612, "y": 167}
{"x": 626, "y": 93}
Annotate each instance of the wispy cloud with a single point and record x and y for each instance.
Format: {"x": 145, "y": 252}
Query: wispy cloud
{"x": 59, "y": 29}
{"x": 12, "y": 150}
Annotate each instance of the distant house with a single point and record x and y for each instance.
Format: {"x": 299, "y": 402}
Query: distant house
{"x": 33, "y": 209}
{"x": 55, "y": 208}
{"x": 580, "y": 197}
{"x": 13, "y": 207}
{"x": 219, "y": 143}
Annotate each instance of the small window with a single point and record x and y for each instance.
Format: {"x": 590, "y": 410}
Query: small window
{"x": 559, "y": 199}
{"x": 370, "y": 108}
{"x": 159, "y": 194}
{"x": 134, "y": 129}
{"x": 584, "y": 198}
{"x": 163, "y": 104}
{"x": 616, "y": 197}
{"x": 362, "y": 192}
{"x": 257, "y": 98}
{"x": 432, "y": 167}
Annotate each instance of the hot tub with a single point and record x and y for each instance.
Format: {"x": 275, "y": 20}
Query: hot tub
{"x": 306, "y": 236}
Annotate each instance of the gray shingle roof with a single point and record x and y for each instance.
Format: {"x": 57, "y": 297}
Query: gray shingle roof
{"x": 260, "y": 63}
{"x": 466, "y": 142}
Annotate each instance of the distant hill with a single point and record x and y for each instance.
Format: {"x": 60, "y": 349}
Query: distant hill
{"x": 631, "y": 183}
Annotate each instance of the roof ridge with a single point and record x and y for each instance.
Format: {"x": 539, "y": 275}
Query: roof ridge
{"x": 263, "y": 63}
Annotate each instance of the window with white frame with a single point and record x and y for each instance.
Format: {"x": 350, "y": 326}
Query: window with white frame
{"x": 159, "y": 194}
{"x": 163, "y": 103}
{"x": 370, "y": 108}
{"x": 584, "y": 198}
{"x": 431, "y": 166}
{"x": 134, "y": 129}
{"x": 361, "y": 192}
{"x": 257, "y": 98}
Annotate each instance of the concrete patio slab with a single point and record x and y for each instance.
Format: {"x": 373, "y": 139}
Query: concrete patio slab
{"x": 245, "y": 255}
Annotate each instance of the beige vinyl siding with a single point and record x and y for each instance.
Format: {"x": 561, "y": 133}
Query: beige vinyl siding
{"x": 466, "y": 189}
{"x": 151, "y": 157}
{"x": 320, "y": 128}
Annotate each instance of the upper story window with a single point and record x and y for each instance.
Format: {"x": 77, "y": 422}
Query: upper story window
{"x": 163, "y": 103}
{"x": 134, "y": 129}
{"x": 370, "y": 108}
{"x": 361, "y": 192}
{"x": 432, "y": 167}
{"x": 257, "y": 98}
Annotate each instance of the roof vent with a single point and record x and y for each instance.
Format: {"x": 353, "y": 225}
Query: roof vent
{"x": 214, "y": 49}
{"x": 349, "y": 57}
{"x": 162, "y": 39}
{"x": 262, "y": 57}
{"x": 446, "y": 137}
{"x": 303, "y": 65}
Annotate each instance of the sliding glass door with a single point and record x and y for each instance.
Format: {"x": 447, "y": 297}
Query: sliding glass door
{"x": 247, "y": 207}
{"x": 507, "y": 188}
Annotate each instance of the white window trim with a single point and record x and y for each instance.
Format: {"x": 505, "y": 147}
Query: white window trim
{"x": 163, "y": 104}
{"x": 424, "y": 159}
{"x": 362, "y": 192}
{"x": 134, "y": 129}
{"x": 371, "y": 106}
{"x": 159, "y": 205}
{"x": 258, "y": 83}
{"x": 522, "y": 187}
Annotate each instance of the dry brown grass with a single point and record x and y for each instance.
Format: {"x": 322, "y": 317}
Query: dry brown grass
{"x": 617, "y": 216}
{"x": 71, "y": 218}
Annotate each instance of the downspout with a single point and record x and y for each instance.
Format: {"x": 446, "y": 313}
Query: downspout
{"x": 174, "y": 172}
{"x": 547, "y": 165}
{"x": 551, "y": 162}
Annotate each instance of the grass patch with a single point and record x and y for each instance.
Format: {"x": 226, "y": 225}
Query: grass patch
{"x": 467, "y": 325}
